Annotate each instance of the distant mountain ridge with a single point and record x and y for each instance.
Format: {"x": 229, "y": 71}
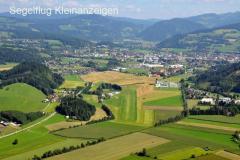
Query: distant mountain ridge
{"x": 222, "y": 39}
{"x": 168, "y": 28}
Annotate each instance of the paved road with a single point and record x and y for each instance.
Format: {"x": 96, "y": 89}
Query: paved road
{"x": 29, "y": 127}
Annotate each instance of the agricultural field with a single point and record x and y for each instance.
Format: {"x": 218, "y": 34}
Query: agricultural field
{"x": 118, "y": 78}
{"x": 182, "y": 136}
{"x": 194, "y": 103}
{"x": 35, "y": 140}
{"x": 72, "y": 81}
{"x": 98, "y": 130}
{"x": 116, "y": 148}
{"x": 8, "y": 66}
{"x": 21, "y": 97}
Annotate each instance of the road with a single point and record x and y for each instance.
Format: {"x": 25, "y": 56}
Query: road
{"x": 29, "y": 127}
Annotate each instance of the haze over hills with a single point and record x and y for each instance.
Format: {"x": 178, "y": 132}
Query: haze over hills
{"x": 168, "y": 28}
{"x": 104, "y": 28}
{"x": 222, "y": 39}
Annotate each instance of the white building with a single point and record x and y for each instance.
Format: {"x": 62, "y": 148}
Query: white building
{"x": 164, "y": 84}
{"x": 207, "y": 101}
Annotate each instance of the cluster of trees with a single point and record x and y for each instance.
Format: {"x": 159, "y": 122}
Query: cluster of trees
{"x": 109, "y": 86}
{"x": 17, "y": 55}
{"x": 170, "y": 120}
{"x": 184, "y": 93}
{"x": 110, "y": 115}
{"x": 76, "y": 108}
{"x": 33, "y": 73}
{"x": 236, "y": 137}
{"x": 66, "y": 149}
{"x": 112, "y": 63}
{"x": 19, "y": 117}
{"x": 216, "y": 110}
{"x": 221, "y": 78}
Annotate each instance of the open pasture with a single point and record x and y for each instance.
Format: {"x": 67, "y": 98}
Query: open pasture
{"x": 98, "y": 130}
{"x": 175, "y": 101}
{"x": 21, "y": 97}
{"x": 184, "y": 153}
{"x": 99, "y": 114}
{"x": 115, "y": 148}
{"x": 8, "y": 66}
{"x": 181, "y": 135}
{"x": 118, "y": 78}
{"x": 218, "y": 118}
{"x": 210, "y": 124}
{"x": 30, "y": 139}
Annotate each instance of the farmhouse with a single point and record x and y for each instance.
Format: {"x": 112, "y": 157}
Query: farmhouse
{"x": 225, "y": 100}
{"x": 207, "y": 101}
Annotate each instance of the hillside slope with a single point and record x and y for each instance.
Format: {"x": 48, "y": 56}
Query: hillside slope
{"x": 223, "y": 39}
{"x": 21, "y": 97}
{"x": 34, "y": 74}
{"x": 220, "y": 79}
{"x": 168, "y": 28}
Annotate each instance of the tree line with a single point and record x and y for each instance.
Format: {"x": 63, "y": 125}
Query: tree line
{"x": 19, "y": 117}
{"x": 63, "y": 150}
{"x": 33, "y": 73}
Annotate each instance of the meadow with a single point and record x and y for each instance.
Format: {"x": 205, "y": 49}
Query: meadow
{"x": 21, "y": 97}
{"x": 72, "y": 81}
{"x": 116, "y": 148}
{"x": 35, "y": 141}
{"x": 184, "y": 136}
{"x": 98, "y": 130}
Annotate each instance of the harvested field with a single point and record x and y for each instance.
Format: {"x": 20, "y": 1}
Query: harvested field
{"x": 115, "y": 148}
{"x": 118, "y": 78}
{"x": 228, "y": 155}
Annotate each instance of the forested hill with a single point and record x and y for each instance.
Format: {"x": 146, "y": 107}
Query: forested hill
{"x": 168, "y": 28}
{"x": 34, "y": 74}
{"x": 72, "y": 30}
{"x": 220, "y": 79}
{"x": 222, "y": 39}
{"x": 18, "y": 55}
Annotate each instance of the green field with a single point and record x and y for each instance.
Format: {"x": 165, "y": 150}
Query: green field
{"x": 184, "y": 153}
{"x": 21, "y": 97}
{"x": 185, "y": 136}
{"x": 72, "y": 81}
{"x": 175, "y": 101}
{"x": 218, "y": 118}
{"x": 124, "y": 105}
{"x": 114, "y": 149}
{"x": 98, "y": 130}
{"x": 31, "y": 139}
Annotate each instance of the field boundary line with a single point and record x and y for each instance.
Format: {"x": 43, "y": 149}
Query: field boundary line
{"x": 203, "y": 125}
{"x": 29, "y": 127}
{"x": 212, "y": 120}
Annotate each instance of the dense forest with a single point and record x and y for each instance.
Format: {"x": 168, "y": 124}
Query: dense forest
{"x": 19, "y": 117}
{"x": 76, "y": 108}
{"x": 219, "y": 79}
{"x": 34, "y": 74}
{"x": 17, "y": 55}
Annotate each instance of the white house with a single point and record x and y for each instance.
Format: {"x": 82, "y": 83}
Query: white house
{"x": 207, "y": 101}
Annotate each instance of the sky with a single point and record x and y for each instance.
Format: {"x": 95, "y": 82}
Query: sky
{"x": 141, "y": 9}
